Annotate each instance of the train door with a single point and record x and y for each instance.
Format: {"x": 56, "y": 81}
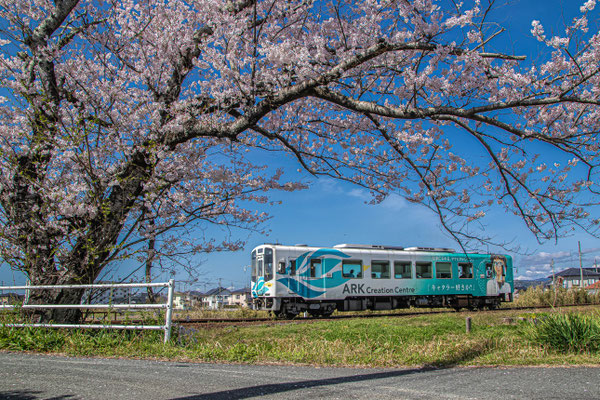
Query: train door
{"x": 312, "y": 280}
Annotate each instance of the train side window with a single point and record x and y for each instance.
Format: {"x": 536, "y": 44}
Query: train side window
{"x": 292, "y": 267}
{"x": 314, "y": 263}
{"x": 380, "y": 270}
{"x": 402, "y": 270}
{"x": 443, "y": 270}
{"x": 281, "y": 267}
{"x": 488, "y": 270}
{"x": 465, "y": 270}
{"x": 352, "y": 269}
{"x": 424, "y": 270}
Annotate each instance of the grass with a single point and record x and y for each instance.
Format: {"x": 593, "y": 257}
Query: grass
{"x": 437, "y": 340}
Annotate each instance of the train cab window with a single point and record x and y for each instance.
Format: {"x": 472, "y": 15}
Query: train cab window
{"x": 268, "y": 264}
{"x": 424, "y": 270}
{"x": 292, "y": 267}
{"x": 465, "y": 270}
{"x": 254, "y": 267}
{"x": 443, "y": 270}
{"x": 315, "y": 264}
{"x": 352, "y": 269}
{"x": 380, "y": 270}
{"x": 402, "y": 270}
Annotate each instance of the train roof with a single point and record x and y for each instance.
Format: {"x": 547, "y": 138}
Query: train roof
{"x": 372, "y": 247}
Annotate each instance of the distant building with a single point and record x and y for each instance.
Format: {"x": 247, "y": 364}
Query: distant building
{"x": 216, "y": 298}
{"x": 116, "y": 295}
{"x": 186, "y": 300}
{"x": 241, "y": 298}
{"x": 571, "y": 277}
{"x": 594, "y": 288}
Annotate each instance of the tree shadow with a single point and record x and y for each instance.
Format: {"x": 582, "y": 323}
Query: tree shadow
{"x": 264, "y": 390}
{"x": 30, "y": 395}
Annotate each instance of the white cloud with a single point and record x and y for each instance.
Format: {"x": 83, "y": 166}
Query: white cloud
{"x": 395, "y": 202}
{"x": 359, "y": 194}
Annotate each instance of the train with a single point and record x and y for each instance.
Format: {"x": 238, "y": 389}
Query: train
{"x": 289, "y": 280}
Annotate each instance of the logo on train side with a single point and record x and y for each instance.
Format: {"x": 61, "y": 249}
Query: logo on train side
{"x": 360, "y": 288}
{"x": 354, "y": 288}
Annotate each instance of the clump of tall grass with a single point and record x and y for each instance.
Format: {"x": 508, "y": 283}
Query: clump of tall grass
{"x": 565, "y": 332}
{"x": 539, "y": 296}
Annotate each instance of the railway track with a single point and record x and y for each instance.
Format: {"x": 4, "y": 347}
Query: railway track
{"x": 300, "y": 319}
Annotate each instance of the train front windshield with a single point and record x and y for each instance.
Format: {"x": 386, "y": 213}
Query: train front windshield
{"x": 262, "y": 264}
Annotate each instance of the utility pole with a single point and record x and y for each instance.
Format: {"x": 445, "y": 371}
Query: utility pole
{"x": 580, "y": 265}
{"x": 219, "y": 296}
{"x": 553, "y": 283}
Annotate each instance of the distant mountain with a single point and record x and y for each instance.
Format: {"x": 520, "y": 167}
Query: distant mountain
{"x": 523, "y": 284}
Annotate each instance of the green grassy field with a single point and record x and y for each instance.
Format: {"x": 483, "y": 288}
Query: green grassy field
{"x": 500, "y": 338}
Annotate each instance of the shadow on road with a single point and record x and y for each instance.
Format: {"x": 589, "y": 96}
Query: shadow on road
{"x": 263, "y": 390}
{"x": 29, "y": 395}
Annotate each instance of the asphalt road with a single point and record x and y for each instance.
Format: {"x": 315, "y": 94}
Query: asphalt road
{"x": 27, "y": 376}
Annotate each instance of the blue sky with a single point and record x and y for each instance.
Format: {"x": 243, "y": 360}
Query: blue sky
{"x": 332, "y": 212}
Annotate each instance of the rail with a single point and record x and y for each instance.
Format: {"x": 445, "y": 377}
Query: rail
{"x": 168, "y": 306}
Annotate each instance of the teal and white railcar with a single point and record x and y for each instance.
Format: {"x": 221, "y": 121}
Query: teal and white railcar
{"x": 289, "y": 280}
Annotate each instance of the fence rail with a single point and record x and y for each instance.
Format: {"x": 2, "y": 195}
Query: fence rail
{"x": 168, "y": 306}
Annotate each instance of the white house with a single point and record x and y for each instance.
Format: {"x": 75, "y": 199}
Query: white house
{"x": 571, "y": 277}
{"x": 216, "y": 298}
{"x": 240, "y": 297}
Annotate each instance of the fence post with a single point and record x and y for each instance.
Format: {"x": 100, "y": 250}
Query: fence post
{"x": 169, "y": 315}
{"x": 468, "y": 324}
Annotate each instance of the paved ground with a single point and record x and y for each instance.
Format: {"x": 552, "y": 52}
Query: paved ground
{"x": 25, "y": 377}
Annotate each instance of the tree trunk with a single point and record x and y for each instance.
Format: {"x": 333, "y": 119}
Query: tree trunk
{"x": 54, "y": 297}
{"x": 149, "y": 262}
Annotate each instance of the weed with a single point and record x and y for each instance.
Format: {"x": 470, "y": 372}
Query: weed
{"x": 565, "y": 332}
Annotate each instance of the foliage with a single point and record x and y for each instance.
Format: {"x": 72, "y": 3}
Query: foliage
{"x": 568, "y": 332}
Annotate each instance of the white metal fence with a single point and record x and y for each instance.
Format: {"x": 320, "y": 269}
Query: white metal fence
{"x": 168, "y": 306}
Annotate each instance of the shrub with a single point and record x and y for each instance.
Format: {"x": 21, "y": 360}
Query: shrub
{"x": 565, "y": 332}
{"x": 538, "y": 296}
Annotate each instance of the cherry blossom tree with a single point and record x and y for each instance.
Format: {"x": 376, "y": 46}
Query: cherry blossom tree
{"x": 125, "y": 121}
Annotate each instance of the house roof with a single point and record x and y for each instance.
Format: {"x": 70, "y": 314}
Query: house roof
{"x": 241, "y": 291}
{"x": 576, "y": 272}
{"x": 218, "y": 291}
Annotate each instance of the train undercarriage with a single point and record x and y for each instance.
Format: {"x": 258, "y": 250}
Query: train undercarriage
{"x": 292, "y": 306}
